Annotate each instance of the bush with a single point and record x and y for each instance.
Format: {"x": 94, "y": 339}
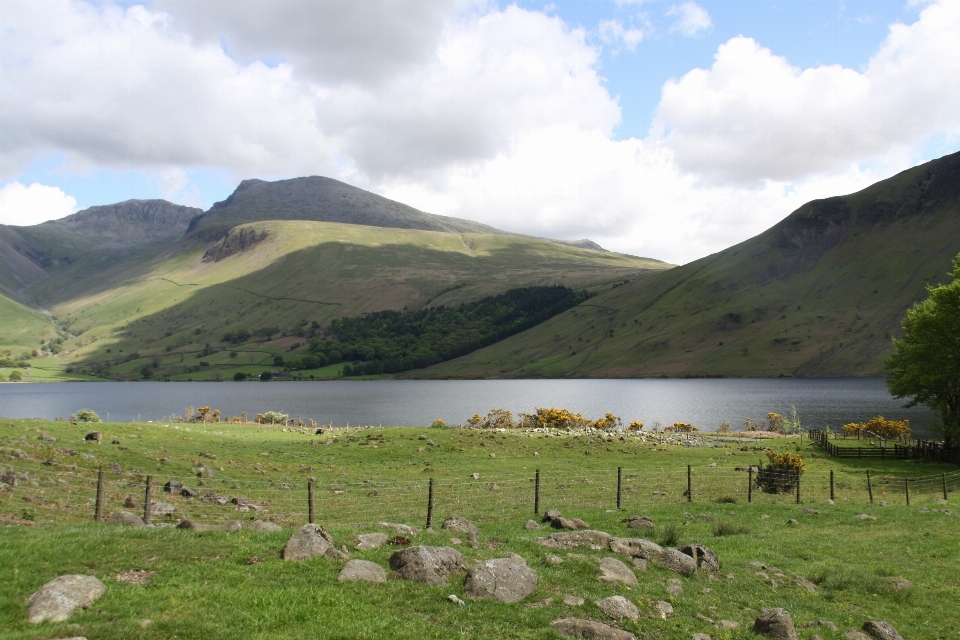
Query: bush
{"x": 87, "y": 415}
{"x": 775, "y": 422}
{"x": 438, "y": 424}
{"x": 880, "y": 426}
{"x": 724, "y": 428}
{"x": 781, "y": 473}
{"x": 496, "y": 419}
{"x": 554, "y": 419}
{"x": 16, "y": 376}
{"x": 609, "y": 422}
{"x": 669, "y": 536}
{"x": 272, "y": 417}
{"x": 635, "y": 426}
{"x": 266, "y": 376}
{"x": 239, "y": 375}
{"x": 681, "y": 427}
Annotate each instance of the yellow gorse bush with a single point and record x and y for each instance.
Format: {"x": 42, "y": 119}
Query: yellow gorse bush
{"x": 880, "y": 426}
{"x": 682, "y": 427}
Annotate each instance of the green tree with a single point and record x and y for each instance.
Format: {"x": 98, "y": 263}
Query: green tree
{"x": 15, "y": 376}
{"x": 925, "y": 366}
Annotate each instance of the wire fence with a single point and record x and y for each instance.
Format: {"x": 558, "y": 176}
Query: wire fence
{"x": 34, "y": 492}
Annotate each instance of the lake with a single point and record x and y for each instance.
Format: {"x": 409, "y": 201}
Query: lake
{"x": 704, "y": 402}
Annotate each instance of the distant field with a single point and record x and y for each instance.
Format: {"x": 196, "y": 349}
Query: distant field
{"x": 203, "y": 586}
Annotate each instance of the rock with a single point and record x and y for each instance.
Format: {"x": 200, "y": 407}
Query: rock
{"x": 172, "y": 486}
{"x": 115, "y": 441}
{"x": 899, "y": 583}
{"x": 264, "y": 526}
{"x": 551, "y": 559}
{"x": 563, "y": 523}
{"x": 614, "y": 571}
{"x": 362, "y": 571}
{"x": 701, "y": 636}
{"x": 822, "y": 623}
{"x": 161, "y": 509}
{"x": 793, "y": 523}
{"x": 853, "y": 634}
{"x": 233, "y": 527}
{"x": 864, "y": 516}
{"x": 47, "y": 437}
{"x": 370, "y": 541}
{"x": 203, "y": 471}
{"x": 472, "y": 539}
{"x": 639, "y": 564}
{"x": 619, "y": 608}
{"x": 187, "y": 492}
{"x": 503, "y": 579}
{"x": 125, "y": 517}
{"x": 881, "y": 630}
{"x": 399, "y": 528}
{"x": 9, "y": 478}
{"x": 663, "y": 610}
{"x": 705, "y": 557}
{"x": 196, "y": 526}
{"x": 675, "y": 587}
{"x": 530, "y": 525}
{"x": 728, "y": 625}
{"x": 588, "y": 629}
{"x": 459, "y": 523}
{"x": 428, "y": 565}
{"x": 93, "y": 436}
{"x": 550, "y": 515}
{"x": 639, "y": 522}
{"x": 775, "y": 623}
{"x": 572, "y": 601}
{"x": 705, "y": 518}
{"x": 239, "y": 501}
{"x": 579, "y": 524}
{"x": 665, "y": 557}
{"x": 811, "y": 512}
{"x": 595, "y": 540}
{"x": 60, "y": 597}
{"x": 475, "y": 476}
{"x": 803, "y": 583}
{"x": 455, "y": 600}
{"x": 305, "y": 543}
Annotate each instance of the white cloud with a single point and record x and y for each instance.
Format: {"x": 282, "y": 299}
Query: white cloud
{"x": 754, "y": 116}
{"x": 24, "y": 206}
{"x": 691, "y": 19}
{"x": 613, "y": 32}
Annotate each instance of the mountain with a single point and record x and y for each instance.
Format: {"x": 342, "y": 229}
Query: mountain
{"x": 819, "y": 294}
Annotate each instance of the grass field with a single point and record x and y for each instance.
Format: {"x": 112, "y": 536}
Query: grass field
{"x": 202, "y": 585}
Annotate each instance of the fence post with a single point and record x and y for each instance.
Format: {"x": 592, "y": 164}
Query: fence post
{"x": 749, "y": 484}
{"x": 906, "y": 487}
{"x": 619, "y": 487}
{"x": 798, "y": 487}
{"x": 536, "y": 494}
{"x": 869, "y": 486}
{"x": 146, "y": 501}
{"x": 310, "y": 502}
{"x": 943, "y": 477}
{"x": 689, "y": 485}
{"x": 430, "y": 505}
{"x": 98, "y": 512}
{"x": 831, "y": 484}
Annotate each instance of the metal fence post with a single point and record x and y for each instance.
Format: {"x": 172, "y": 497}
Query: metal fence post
{"x": 146, "y": 501}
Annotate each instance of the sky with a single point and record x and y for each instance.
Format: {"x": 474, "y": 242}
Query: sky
{"x": 665, "y": 129}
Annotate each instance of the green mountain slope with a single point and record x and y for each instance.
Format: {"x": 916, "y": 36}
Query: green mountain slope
{"x": 819, "y": 294}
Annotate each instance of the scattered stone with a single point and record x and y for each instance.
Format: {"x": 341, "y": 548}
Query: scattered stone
{"x": 60, "y": 597}
{"x": 459, "y": 523}
{"x": 362, "y": 571}
{"x": 172, "y": 486}
{"x": 864, "y": 516}
{"x": 551, "y": 514}
{"x": 853, "y": 634}
{"x": 775, "y": 623}
{"x": 306, "y": 543}
{"x": 203, "y": 471}
{"x": 9, "y": 478}
{"x": 398, "y": 541}
{"x": 47, "y": 437}
{"x": 563, "y": 523}
{"x": 455, "y": 600}
{"x": 595, "y": 540}
{"x": 240, "y": 501}
{"x": 764, "y": 517}
{"x": 728, "y": 625}
{"x": 134, "y": 576}
{"x": 614, "y": 571}
{"x": 475, "y": 476}
{"x": 503, "y": 579}
{"x": 369, "y": 541}
{"x": 125, "y": 517}
{"x": 705, "y": 557}
{"x": 573, "y": 601}
{"x": 233, "y": 527}
{"x": 941, "y": 501}
{"x": 264, "y": 526}
{"x": 881, "y": 630}
{"x": 546, "y": 602}
{"x": 428, "y": 565}
{"x": 195, "y": 526}
{"x": 114, "y": 441}
{"x": 803, "y": 583}
{"x": 883, "y": 503}
{"x": 187, "y": 492}
{"x": 821, "y": 623}
{"x": 254, "y": 560}
{"x": 530, "y": 525}
{"x": 793, "y": 522}
{"x": 663, "y": 610}
{"x": 705, "y": 518}
{"x": 475, "y": 543}
{"x": 619, "y": 608}
{"x": 580, "y": 524}
{"x": 701, "y": 636}
{"x": 639, "y": 564}
{"x": 399, "y": 528}
{"x": 551, "y": 559}
{"x": 675, "y": 587}
{"x": 639, "y": 522}
{"x": 811, "y": 512}
{"x": 577, "y": 628}
{"x": 666, "y": 557}
{"x": 161, "y": 509}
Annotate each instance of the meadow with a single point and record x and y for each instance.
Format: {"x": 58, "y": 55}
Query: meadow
{"x": 831, "y": 565}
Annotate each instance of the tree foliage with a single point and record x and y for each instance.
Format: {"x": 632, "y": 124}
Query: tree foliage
{"x": 925, "y": 366}
{"x": 880, "y": 426}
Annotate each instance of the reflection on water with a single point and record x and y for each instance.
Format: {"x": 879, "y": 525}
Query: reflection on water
{"x": 705, "y": 403}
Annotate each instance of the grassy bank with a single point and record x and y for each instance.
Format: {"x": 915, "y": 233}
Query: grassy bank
{"x": 203, "y": 586}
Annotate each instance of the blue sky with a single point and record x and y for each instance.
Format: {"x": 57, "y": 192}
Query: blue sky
{"x": 564, "y": 119}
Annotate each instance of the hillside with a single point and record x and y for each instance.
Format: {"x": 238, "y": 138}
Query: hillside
{"x": 819, "y": 294}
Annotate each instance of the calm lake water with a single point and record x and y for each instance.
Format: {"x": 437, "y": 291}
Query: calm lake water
{"x": 705, "y": 403}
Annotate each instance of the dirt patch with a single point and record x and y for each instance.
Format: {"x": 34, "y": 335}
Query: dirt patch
{"x": 134, "y": 576}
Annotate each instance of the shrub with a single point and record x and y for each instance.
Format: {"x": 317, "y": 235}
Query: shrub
{"x": 266, "y": 376}
{"x": 781, "y": 473}
{"x": 16, "y": 376}
{"x": 635, "y": 426}
{"x": 87, "y": 415}
{"x": 681, "y": 427}
{"x": 553, "y": 419}
{"x": 239, "y": 375}
{"x": 880, "y": 426}
{"x": 724, "y": 428}
{"x": 608, "y": 422}
{"x": 272, "y": 417}
{"x": 496, "y": 419}
{"x": 669, "y": 536}
{"x": 438, "y": 424}
{"x": 775, "y": 422}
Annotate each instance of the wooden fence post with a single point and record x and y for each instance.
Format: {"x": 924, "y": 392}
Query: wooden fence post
{"x": 310, "y": 502}
{"x": 749, "y": 484}
{"x": 98, "y": 511}
{"x": 536, "y": 494}
{"x": 798, "y": 487}
{"x": 869, "y": 486}
{"x": 831, "y": 484}
{"x": 430, "y": 505}
{"x": 943, "y": 477}
{"x": 146, "y": 501}
{"x": 906, "y": 487}
{"x": 689, "y": 485}
{"x": 619, "y": 487}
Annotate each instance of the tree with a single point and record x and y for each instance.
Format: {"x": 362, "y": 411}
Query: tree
{"x": 925, "y": 365}
{"x": 15, "y": 376}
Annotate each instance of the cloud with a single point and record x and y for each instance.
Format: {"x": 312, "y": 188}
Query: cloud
{"x": 691, "y": 19}
{"x": 24, "y": 206}
{"x": 753, "y": 116}
{"x": 613, "y": 32}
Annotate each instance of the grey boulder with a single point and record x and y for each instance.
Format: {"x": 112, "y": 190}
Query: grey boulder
{"x": 362, "y": 571}
{"x": 639, "y": 522}
{"x": 428, "y": 565}
{"x": 881, "y": 630}
{"x": 503, "y": 579}
{"x": 161, "y": 509}
{"x": 588, "y": 629}
{"x": 595, "y": 540}
{"x": 264, "y": 526}
{"x": 619, "y": 608}
{"x": 665, "y": 557}
{"x": 60, "y": 597}
{"x": 775, "y": 623}
{"x": 370, "y": 541}
{"x": 125, "y": 517}
{"x": 614, "y": 571}
{"x": 459, "y": 523}
{"x": 705, "y": 557}
{"x": 306, "y": 543}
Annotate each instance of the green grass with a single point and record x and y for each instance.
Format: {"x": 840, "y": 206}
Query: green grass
{"x": 202, "y": 586}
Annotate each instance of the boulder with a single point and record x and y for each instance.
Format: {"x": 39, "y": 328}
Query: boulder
{"x": 530, "y": 525}
{"x": 264, "y": 526}
{"x": 428, "y": 565}
{"x": 160, "y": 509}
{"x": 853, "y": 634}
{"x": 666, "y": 557}
{"x": 551, "y": 515}
{"x": 614, "y": 571}
{"x": 458, "y": 523}
{"x": 675, "y": 587}
{"x": 775, "y": 623}
{"x": 9, "y": 478}
{"x": 705, "y": 557}
{"x": 196, "y": 526}
{"x": 188, "y": 492}
{"x": 728, "y": 625}
{"x": 580, "y": 524}
{"x": 572, "y": 601}
{"x": 362, "y": 571}
{"x": 60, "y": 597}
{"x": 369, "y": 541}
{"x": 203, "y": 471}
{"x": 233, "y": 526}
{"x": 172, "y": 486}
{"x": 663, "y": 610}
{"x": 639, "y": 522}
{"x": 619, "y": 608}
{"x": 595, "y": 540}
{"x": 305, "y": 543}
{"x": 563, "y": 523}
{"x": 588, "y": 629}
{"x": 881, "y": 630}
{"x": 399, "y": 528}
{"x": 125, "y": 517}
{"x": 503, "y": 579}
